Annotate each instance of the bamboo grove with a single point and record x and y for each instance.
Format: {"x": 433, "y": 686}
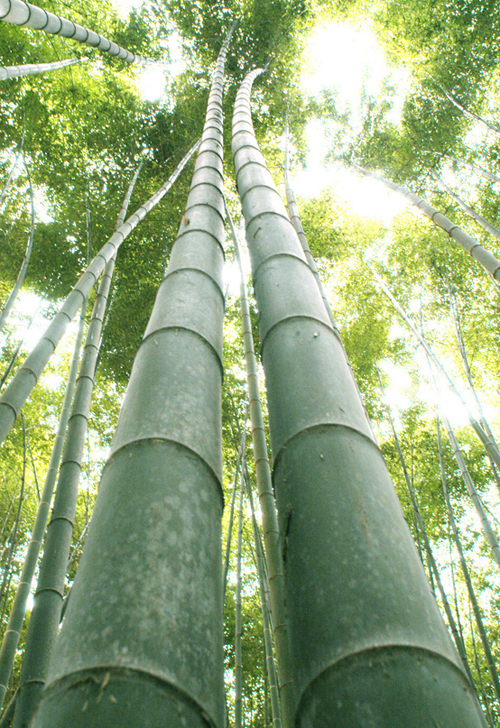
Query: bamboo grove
{"x": 217, "y": 505}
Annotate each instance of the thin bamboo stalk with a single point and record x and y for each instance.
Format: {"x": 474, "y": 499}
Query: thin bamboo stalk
{"x": 241, "y": 449}
{"x": 489, "y": 444}
{"x": 473, "y": 167}
{"x": 468, "y": 582}
{"x": 466, "y": 112}
{"x": 490, "y": 264}
{"x": 266, "y": 500}
{"x": 486, "y": 702}
{"x": 49, "y": 595}
{"x": 14, "y": 356}
{"x": 26, "y": 378}
{"x": 238, "y": 667}
{"x": 8, "y": 181}
{"x": 362, "y": 618}
{"x": 266, "y": 618}
{"x": 154, "y": 641}
{"x": 21, "y": 13}
{"x": 468, "y": 209}
{"x": 4, "y": 314}
{"x": 30, "y": 69}
{"x": 8, "y": 713}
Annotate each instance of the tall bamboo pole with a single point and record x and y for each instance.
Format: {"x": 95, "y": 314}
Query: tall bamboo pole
{"x": 241, "y": 449}
{"x": 238, "y": 668}
{"x": 30, "y": 69}
{"x": 468, "y": 582}
{"x": 13, "y": 632}
{"x": 489, "y": 443}
{"x": 8, "y": 181}
{"x": 21, "y": 13}
{"x": 27, "y": 376}
{"x": 150, "y": 647}
{"x": 466, "y": 112}
{"x": 474, "y": 167}
{"x": 490, "y": 264}
{"x": 266, "y": 618}
{"x": 46, "y": 613}
{"x": 267, "y": 503}
{"x": 368, "y": 641}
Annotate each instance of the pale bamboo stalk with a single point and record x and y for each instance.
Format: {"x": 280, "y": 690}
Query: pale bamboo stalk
{"x": 473, "y": 167}
{"x": 4, "y": 314}
{"x": 13, "y": 632}
{"x": 26, "y": 378}
{"x": 241, "y": 449}
{"x": 22, "y": 13}
{"x": 466, "y": 112}
{"x": 266, "y": 619}
{"x": 30, "y": 69}
{"x": 468, "y": 209}
{"x": 468, "y": 582}
{"x": 486, "y": 702}
{"x": 489, "y": 444}
{"x": 238, "y": 668}
{"x": 430, "y": 556}
{"x": 490, "y": 264}
{"x": 13, "y": 168}
{"x": 267, "y": 503}
{"x": 14, "y": 356}
{"x": 49, "y": 595}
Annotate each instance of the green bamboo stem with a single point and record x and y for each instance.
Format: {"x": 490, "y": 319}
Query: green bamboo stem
{"x": 21, "y": 13}
{"x": 238, "y": 668}
{"x": 4, "y": 314}
{"x": 46, "y": 613}
{"x": 267, "y": 503}
{"x": 367, "y": 636}
{"x": 8, "y": 714}
{"x": 468, "y": 582}
{"x": 474, "y": 167}
{"x": 152, "y": 645}
{"x": 490, "y": 264}
{"x": 27, "y": 376}
{"x": 266, "y": 619}
{"x": 430, "y": 556}
{"x": 486, "y": 702}
{"x": 13, "y": 632}
{"x": 468, "y": 209}
{"x": 30, "y": 69}
{"x": 489, "y": 443}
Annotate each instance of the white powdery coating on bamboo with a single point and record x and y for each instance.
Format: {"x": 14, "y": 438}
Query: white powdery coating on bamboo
{"x": 21, "y": 13}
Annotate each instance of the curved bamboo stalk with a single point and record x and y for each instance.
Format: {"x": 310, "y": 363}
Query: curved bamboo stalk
{"x": 46, "y": 612}
{"x": 266, "y": 500}
{"x": 468, "y": 209}
{"x": 4, "y": 314}
{"x": 13, "y": 632}
{"x": 8, "y": 181}
{"x": 457, "y": 638}
{"x": 27, "y": 376}
{"x": 238, "y": 668}
{"x": 489, "y": 443}
{"x": 266, "y": 619}
{"x": 30, "y": 69}
{"x": 21, "y": 13}
{"x": 466, "y": 112}
{"x": 490, "y": 264}
{"x": 468, "y": 582}
{"x": 154, "y": 641}
{"x": 361, "y": 616}
{"x": 8, "y": 713}
{"x": 15, "y": 354}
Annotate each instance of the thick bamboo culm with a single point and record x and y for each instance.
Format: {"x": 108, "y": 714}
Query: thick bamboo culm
{"x": 361, "y": 616}
{"x": 30, "y": 69}
{"x": 27, "y": 376}
{"x": 152, "y": 645}
{"x": 19, "y": 12}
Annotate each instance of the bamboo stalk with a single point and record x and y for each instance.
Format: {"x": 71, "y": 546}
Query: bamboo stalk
{"x": 241, "y": 449}
{"x": 473, "y": 167}
{"x": 154, "y": 641}
{"x": 22, "y": 13}
{"x": 361, "y": 616}
{"x": 30, "y": 69}
{"x": 238, "y": 668}
{"x": 266, "y": 500}
{"x": 27, "y": 376}
{"x": 490, "y": 264}
{"x": 468, "y": 582}
{"x": 8, "y": 181}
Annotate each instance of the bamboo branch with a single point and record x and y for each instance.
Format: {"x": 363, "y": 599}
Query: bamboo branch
{"x": 30, "y": 69}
